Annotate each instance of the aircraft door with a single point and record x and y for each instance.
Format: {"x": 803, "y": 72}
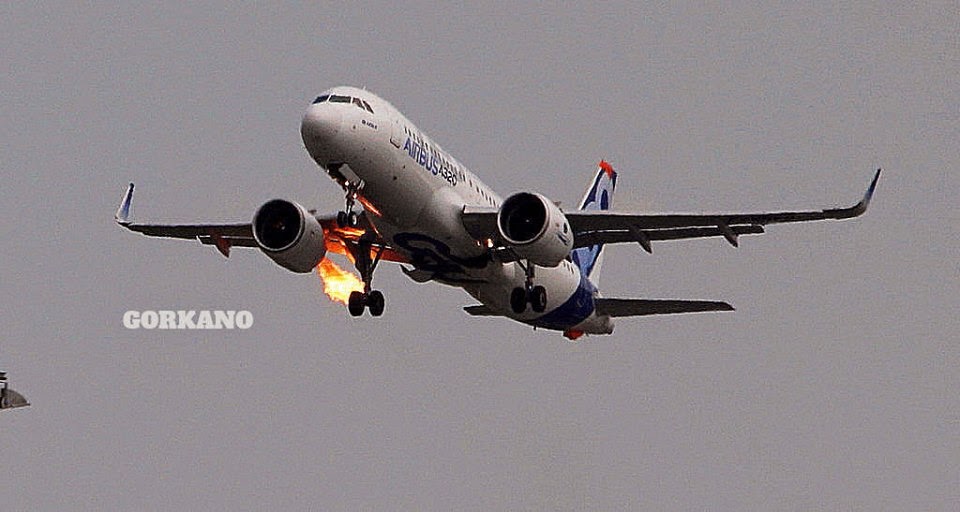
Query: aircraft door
{"x": 396, "y": 133}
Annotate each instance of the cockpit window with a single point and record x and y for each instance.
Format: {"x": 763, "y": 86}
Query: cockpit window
{"x": 334, "y": 98}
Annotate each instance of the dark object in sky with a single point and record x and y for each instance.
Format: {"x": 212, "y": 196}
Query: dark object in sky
{"x": 10, "y": 399}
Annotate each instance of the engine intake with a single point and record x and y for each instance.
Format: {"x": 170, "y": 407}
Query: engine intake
{"x": 536, "y": 228}
{"x": 289, "y": 235}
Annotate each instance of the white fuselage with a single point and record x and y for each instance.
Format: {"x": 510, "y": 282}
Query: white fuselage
{"x": 414, "y": 192}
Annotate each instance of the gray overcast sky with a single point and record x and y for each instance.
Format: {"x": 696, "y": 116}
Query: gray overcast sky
{"x": 834, "y": 386}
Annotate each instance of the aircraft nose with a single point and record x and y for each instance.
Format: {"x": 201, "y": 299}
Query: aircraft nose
{"x": 320, "y": 124}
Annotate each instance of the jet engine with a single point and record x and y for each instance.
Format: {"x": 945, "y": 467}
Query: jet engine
{"x": 289, "y": 235}
{"x": 535, "y": 228}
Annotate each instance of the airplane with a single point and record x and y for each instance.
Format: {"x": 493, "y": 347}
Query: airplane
{"x": 10, "y": 399}
{"x": 522, "y": 257}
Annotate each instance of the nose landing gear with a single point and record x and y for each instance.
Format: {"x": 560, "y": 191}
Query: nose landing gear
{"x": 536, "y": 296}
{"x": 349, "y": 218}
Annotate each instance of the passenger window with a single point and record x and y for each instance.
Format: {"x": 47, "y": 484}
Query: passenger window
{"x": 321, "y": 99}
{"x": 339, "y": 99}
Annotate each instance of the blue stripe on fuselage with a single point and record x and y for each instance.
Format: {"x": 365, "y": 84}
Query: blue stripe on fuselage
{"x": 576, "y": 309}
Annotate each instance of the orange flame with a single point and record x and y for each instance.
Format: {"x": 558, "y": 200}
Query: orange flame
{"x": 337, "y": 282}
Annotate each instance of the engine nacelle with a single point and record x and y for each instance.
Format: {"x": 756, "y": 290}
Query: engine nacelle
{"x": 536, "y": 228}
{"x": 289, "y": 235}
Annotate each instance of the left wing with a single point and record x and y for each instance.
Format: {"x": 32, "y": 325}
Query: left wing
{"x": 338, "y": 240}
{"x": 591, "y": 227}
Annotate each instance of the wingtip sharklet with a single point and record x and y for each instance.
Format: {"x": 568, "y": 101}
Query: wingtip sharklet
{"x": 123, "y": 212}
{"x": 873, "y": 186}
{"x": 861, "y": 207}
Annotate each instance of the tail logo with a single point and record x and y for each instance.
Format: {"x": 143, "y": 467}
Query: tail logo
{"x": 598, "y": 197}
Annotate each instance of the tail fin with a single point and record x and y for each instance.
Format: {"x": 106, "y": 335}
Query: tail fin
{"x": 599, "y": 197}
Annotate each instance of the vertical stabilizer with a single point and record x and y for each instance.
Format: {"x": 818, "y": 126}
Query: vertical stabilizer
{"x": 599, "y": 197}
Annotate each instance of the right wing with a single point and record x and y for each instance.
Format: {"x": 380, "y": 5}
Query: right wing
{"x": 339, "y": 240}
{"x": 223, "y": 236}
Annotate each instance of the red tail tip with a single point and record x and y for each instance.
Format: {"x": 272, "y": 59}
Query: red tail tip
{"x": 607, "y": 168}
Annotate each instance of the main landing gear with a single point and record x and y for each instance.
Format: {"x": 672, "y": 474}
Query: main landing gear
{"x": 360, "y": 300}
{"x": 536, "y": 296}
{"x": 368, "y": 298}
{"x": 349, "y": 218}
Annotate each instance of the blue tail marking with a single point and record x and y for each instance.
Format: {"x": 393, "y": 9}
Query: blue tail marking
{"x": 599, "y": 197}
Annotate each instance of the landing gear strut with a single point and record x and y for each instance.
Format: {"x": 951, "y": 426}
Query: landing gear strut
{"x": 536, "y": 296}
{"x": 348, "y": 218}
{"x": 368, "y": 298}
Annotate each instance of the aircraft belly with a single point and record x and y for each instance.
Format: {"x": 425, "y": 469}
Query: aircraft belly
{"x": 562, "y": 284}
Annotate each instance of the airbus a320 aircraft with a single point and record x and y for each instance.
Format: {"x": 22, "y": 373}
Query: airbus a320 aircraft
{"x": 521, "y": 257}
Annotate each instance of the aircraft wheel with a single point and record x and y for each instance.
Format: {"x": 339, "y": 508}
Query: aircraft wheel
{"x": 342, "y": 219}
{"x": 538, "y": 299}
{"x": 353, "y": 220}
{"x": 518, "y": 300}
{"x": 356, "y": 303}
{"x": 375, "y": 302}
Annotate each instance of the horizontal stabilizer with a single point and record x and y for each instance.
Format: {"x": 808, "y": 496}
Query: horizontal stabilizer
{"x": 640, "y": 307}
{"x": 480, "y": 310}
